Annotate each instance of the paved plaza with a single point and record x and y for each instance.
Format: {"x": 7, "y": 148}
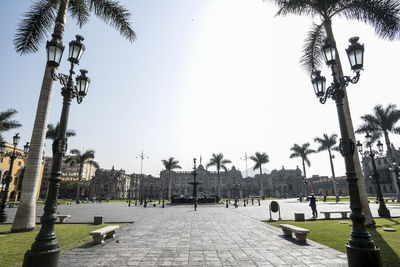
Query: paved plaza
{"x": 211, "y": 236}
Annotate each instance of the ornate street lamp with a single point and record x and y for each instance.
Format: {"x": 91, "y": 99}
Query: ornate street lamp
{"x": 12, "y": 155}
{"x": 361, "y": 250}
{"x": 194, "y": 183}
{"x": 382, "y": 210}
{"x": 45, "y": 250}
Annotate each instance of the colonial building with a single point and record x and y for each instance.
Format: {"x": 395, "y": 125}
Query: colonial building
{"x": 386, "y": 175}
{"x": 276, "y": 184}
{"x": 17, "y": 174}
{"x": 112, "y": 184}
{"x": 69, "y": 172}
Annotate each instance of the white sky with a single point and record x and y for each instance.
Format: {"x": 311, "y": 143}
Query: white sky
{"x": 203, "y": 77}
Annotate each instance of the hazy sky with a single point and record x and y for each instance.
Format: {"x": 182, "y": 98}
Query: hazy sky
{"x": 203, "y": 76}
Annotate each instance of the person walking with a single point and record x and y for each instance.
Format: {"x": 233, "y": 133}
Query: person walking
{"x": 313, "y": 205}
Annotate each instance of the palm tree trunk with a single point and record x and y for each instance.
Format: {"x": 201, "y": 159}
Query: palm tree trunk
{"x": 25, "y": 217}
{"x": 261, "y": 182}
{"x": 391, "y": 159}
{"x": 169, "y": 186}
{"x": 79, "y": 183}
{"x": 369, "y": 220}
{"x": 333, "y": 174}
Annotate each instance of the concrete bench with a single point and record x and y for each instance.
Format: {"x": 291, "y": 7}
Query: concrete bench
{"x": 328, "y": 213}
{"x": 61, "y": 218}
{"x": 106, "y": 232}
{"x": 300, "y": 233}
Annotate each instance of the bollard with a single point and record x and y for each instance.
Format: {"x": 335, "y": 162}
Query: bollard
{"x": 227, "y": 205}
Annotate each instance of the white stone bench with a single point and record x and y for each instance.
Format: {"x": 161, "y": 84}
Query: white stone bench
{"x": 300, "y": 233}
{"x": 328, "y": 213}
{"x": 61, "y": 218}
{"x": 106, "y": 232}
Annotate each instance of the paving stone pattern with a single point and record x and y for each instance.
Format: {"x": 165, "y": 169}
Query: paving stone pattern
{"x": 211, "y": 236}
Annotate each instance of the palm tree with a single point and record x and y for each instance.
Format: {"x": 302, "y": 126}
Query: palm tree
{"x": 37, "y": 23}
{"x": 382, "y": 15}
{"x": 302, "y": 152}
{"x": 52, "y": 132}
{"x": 219, "y": 162}
{"x": 382, "y": 122}
{"x": 329, "y": 143}
{"x": 6, "y": 122}
{"x": 81, "y": 159}
{"x": 260, "y": 159}
{"x": 170, "y": 165}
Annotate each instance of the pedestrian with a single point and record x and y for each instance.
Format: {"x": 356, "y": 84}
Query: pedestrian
{"x": 313, "y": 205}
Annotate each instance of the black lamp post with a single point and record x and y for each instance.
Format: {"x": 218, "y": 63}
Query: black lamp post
{"x": 12, "y": 155}
{"x": 361, "y": 250}
{"x": 194, "y": 183}
{"x": 45, "y": 250}
{"x": 382, "y": 210}
{"x": 129, "y": 197}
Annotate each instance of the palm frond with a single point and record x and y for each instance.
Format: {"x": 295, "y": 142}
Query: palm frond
{"x": 35, "y": 26}
{"x": 71, "y": 161}
{"x": 5, "y": 120}
{"x": 94, "y": 163}
{"x": 113, "y": 13}
{"x": 75, "y": 152}
{"x": 298, "y": 7}
{"x": 79, "y": 11}
{"x": 396, "y": 130}
{"x": 312, "y": 57}
{"x": 383, "y": 15}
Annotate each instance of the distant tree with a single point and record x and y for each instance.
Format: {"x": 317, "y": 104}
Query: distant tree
{"x": 6, "y": 122}
{"x": 302, "y": 152}
{"x": 219, "y": 162}
{"x": 53, "y": 131}
{"x": 81, "y": 159}
{"x": 329, "y": 143}
{"x": 260, "y": 159}
{"x": 382, "y": 122}
{"x": 170, "y": 165}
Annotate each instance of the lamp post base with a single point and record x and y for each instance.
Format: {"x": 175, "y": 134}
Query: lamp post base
{"x": 366, "y": 257}
{"x": 384, "y": 212}
{"x": 41, "y": 259}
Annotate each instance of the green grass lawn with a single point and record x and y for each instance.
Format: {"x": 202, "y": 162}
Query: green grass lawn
{"x": 335, "y": 235}
{"x": 69, "y": 236}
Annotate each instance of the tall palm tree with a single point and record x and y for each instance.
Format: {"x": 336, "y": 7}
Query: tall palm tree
{"x": 170, "y": 165}
{"x": 219, "y": 162}
{"x": 302, "y": 152}
{"x": 329, "y": 143}
{"x": 382, "y": 122}
{"x": 260, "y": 159}
{"x": 81, "y": 159}
{"x": 382, "y": 15}
{"x": 52, "y": 132}
{"x": 6, "y": 122}
{"x": 39, "y": 20}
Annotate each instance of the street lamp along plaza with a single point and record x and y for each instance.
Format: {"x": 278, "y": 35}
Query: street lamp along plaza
{"x": 45, "y": 250}
{"x": 361, "y": 250}
{"x": 382, "y": 210}
{"x": 12, "y": 155}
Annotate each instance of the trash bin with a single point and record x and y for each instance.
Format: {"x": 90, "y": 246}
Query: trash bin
{"x": 299, "y": 217}
{"x": 98, "y": 220}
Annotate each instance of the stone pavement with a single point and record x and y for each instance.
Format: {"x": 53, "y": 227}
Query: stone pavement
{"x": 211, "y": 236}
{"x": 120, "y": 212}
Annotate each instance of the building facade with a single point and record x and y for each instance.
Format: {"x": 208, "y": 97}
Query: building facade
{"x": 69, "y": 172}
{"x": 387, "y": 178}
{"x": 14, "y": 193}
{"x": 111, "y": 184}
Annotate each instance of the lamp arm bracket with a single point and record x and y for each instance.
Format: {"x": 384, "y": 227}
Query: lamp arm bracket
{"x": 63, "y": 78}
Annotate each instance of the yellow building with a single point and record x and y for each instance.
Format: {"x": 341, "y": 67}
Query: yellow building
{"x": 69, "y": 173}
{"x": 18, "y": 170}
